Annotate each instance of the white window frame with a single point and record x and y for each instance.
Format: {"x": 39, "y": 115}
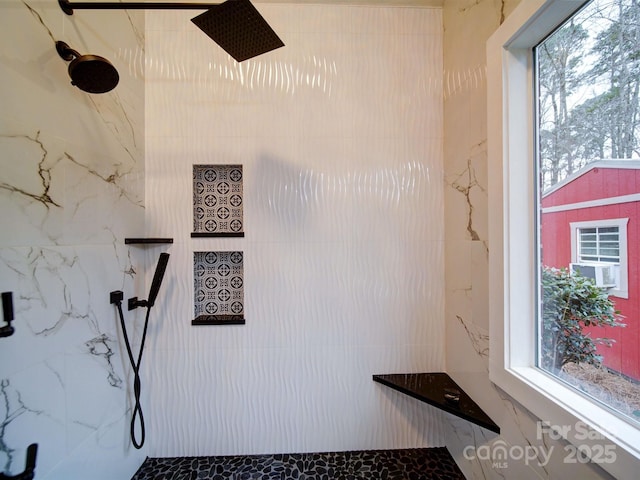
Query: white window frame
{"x": 513, "y": 242}
{"x": 622, "y": 289}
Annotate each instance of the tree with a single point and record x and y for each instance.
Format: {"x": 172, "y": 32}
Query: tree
{"x": 617, "y": 49}
{"x": 589, "y": 89}
{"x": 569, "y": 304}
{"x": 559, "y": 59}
{"x": 591, "y": 129}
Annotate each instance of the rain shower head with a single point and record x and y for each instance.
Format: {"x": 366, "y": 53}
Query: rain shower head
{"x": 239, "y": 29}
{"x": 235, "y": 25}
{"x": 90, "y": 73}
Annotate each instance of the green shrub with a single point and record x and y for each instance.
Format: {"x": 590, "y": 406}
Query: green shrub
{"x": 569, "y": 304}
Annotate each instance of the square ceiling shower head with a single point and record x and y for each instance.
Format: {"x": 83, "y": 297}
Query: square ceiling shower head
{"x": 239, "y": 29}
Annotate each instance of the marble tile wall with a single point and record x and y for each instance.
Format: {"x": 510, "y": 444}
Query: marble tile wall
{"x": 339, "y": 134}
{"x": 71, "y": 189}
{"x": 467, "y": 26}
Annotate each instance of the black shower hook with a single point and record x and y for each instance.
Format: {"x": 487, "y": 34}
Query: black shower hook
{"x": 7, "y": 309}
{"x": 30, "y": 466}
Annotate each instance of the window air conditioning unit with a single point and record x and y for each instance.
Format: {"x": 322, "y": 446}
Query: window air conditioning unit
{"x": 604, "y": 274}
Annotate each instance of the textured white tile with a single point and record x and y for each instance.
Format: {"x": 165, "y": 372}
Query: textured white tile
{"x": 283, "y": 400}
{"x": 339, "y": 136}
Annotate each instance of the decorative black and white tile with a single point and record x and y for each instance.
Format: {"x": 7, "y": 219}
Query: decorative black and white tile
{"x": 402, "y": 464}
{"x": 217, "y": 201}
{"x": 218, "y": 288}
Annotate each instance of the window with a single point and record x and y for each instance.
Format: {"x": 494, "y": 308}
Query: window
{"x": 582, "y": 85}
{"x": 599, "y": 244}
{"x": 515, "y": 191}
{"x": 599, "y": 251}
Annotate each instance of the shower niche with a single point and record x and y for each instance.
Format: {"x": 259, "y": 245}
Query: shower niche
{"x": 217, "y": 201}
{"x": 218, "y": 288}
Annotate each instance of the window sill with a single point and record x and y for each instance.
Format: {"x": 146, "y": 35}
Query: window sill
{"x": 588, "y": 426}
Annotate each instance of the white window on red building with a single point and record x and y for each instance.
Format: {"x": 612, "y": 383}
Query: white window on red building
{"x": 599, "y": 251}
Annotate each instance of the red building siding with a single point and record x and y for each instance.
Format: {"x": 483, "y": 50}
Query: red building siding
{"x": 601, "y": 183}
{"x": 596, "y": 184}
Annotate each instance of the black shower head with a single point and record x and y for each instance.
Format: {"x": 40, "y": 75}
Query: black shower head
{"x": 235, "y": 25}
{"x": 90, "y": 73}
{"x": 239, "y": 29}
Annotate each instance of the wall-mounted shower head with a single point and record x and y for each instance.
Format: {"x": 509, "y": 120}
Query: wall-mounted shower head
{"x": 90, "y": 73}
{"x": 235, "y": 25}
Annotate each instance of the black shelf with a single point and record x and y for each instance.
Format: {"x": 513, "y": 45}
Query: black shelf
{"x": 216, "y": 234}
{"x": 218, "y": 320}
{"x": 431, "y": 388}
{"x": 146, "y": 241}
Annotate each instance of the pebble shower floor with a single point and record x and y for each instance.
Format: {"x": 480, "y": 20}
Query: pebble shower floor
{"x": 402, "y": 464}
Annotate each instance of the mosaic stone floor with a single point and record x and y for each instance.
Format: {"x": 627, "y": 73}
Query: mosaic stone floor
{"x": 403, "y": 464}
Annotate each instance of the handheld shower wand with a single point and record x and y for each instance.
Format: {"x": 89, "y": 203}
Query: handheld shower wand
{"x": 155, "y": 285}
{"x": 116, "y": 298}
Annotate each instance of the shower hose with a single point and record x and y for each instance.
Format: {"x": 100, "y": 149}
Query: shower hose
{"x": 137, "y": 409}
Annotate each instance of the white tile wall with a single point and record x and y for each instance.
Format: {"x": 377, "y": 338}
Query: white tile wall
{"x": 339, "y": 134}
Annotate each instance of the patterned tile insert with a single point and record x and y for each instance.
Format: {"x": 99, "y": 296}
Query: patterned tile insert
{"x": 402, "y": 464}
{"x": 218, "y": 288}
{"x": 217, "y": 200}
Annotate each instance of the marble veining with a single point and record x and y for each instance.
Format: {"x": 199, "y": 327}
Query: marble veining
{"x": 479, "y": 339}
{"x": 13, "y": 407}
{"x": 464, "y": 183}
{"x": 101, "y": 346}
{"x": 38, "y": 17}
{"x": 43, "y": 172}
{"x": 51, "y": 190}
